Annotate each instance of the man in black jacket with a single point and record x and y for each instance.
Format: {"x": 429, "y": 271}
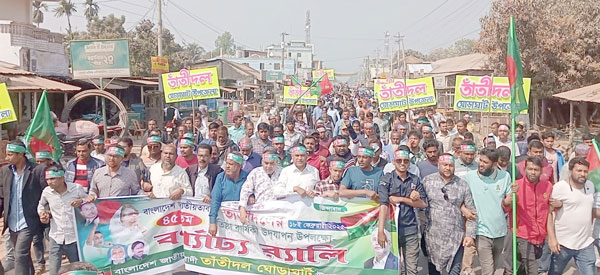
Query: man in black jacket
{"x": 21, "y": 185}
{"x": 203, "y": 174}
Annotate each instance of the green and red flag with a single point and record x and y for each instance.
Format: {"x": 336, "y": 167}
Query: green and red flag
{"x": 40, "y": 134}
{"x": 364, "y": 223}
{"x": 514, "y": 67}
{"x": 518, "y": 103}
{"x": 594, "y": 160}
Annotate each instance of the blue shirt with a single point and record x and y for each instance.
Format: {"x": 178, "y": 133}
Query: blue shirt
{"x": 254, "y": 160}
{"x": 357, "y": 179}
{"x": 225, "y": 189}
{"x": 317, "y": 113}
{"x": 392, "y": 185}
{"x": 488, "y": 194}
{"x": 427, "y": 168}
{"x": 16, "y": 216}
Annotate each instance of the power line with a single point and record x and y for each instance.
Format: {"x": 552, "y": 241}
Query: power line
{"x": 426, "y": 15}
{"x": 452, "y": 40}
{"x": 181, "y": 34}
{"x": 208, "y": 25}
{"x": 152, "y": 8}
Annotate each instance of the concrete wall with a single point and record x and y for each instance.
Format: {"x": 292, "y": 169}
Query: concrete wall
{"x": 16, "y": 10}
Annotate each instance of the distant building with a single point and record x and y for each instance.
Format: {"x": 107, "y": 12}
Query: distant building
{"x": 445, "y": 71}
{"x": 267, "y": 64}
{"x": 301, "y": 52}
{"x": 31, "y": 48}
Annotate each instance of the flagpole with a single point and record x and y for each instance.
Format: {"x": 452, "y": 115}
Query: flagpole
{"x": 514, "y": 195}
{"x": 309, "y": 87}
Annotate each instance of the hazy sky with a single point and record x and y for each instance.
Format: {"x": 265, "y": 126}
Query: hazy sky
{"x": 343, "y": 32}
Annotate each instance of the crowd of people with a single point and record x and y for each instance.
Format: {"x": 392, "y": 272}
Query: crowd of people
{"x": 451, "y": 186}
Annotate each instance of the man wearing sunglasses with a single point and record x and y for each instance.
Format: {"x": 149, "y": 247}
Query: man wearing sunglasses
{"x": 447, "y": 232}
{"x": 405, "y": 190}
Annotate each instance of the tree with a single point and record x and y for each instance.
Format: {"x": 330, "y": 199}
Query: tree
{"x": 66, "y": 8}
{"x": 225, "y": 43}
{"x": 91, "y": 9}
{"x": 38, "y": 14}
{"x": 461, "y": 47}
{"x": 559, "y": 42}
{"x": 108, "y": 27}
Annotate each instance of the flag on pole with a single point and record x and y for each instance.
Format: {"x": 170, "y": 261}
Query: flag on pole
{"x": 594, "y": 160}
{"x": 514, "y": 67}
{"x": 40, "y": 134}
{"x": 518, "y": 103}
{"x": 326, "y": 85}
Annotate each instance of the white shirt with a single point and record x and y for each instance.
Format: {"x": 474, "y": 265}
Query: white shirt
{"x": 98, "y": 155}
{"x": 163, "y": 182}
{"x": 380, "y": 264}
{"x": 573, "y": 222}
{"x": 291, "y": 177}
{"x": 62, "y": 229}
{"x": 202, "y": 186}
{"x": 508, "y": 144}
{"x": 260, "y": 184}
{"x": 446, "y": 141}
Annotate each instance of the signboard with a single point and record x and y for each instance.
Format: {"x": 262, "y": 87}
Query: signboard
{"x": 318, "y": 73}
{"x": 100, "y": 58}
{"x": 199, "y": 83}
{"x": 7, "y": 111}
{"x": 482, "y": 94}
{"x": 272, "y": 76}
{"x": 291, "y": 93}
{"x": 394, "y": 95}
{"x": 160, "y": 64}
{"x": 138, "y": 235}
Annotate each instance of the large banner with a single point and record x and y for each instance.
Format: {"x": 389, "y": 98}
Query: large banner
{"x": 316, "y": 74}
{"x": 394, "y": 95}
{"x": 484, "y": 94}
{"x": 198, "y": 83}
{"x": 137, "y": 235}
{"x": 7, "y": 111}
{"x": 100, "y": 58}
{"x": 291, "y": 93}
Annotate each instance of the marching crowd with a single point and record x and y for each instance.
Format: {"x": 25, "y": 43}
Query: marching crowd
{"x": 451, "y": 186}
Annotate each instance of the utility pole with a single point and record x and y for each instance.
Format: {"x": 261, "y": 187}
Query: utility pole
{"x": 399, "y": 41}
{"x": 307, "y": 27}
{"x": 377, "y": 63}
{"x": 404, "y": 59}
{"x": 283, "y": 34}
{"x": 159, "y": 3}
{"x": 387, "y": 49}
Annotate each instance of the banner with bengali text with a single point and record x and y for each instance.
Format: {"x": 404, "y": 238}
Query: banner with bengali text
{"x": 291, "y": 93}
{"x": 482, "y": 94}
{"x": 138, "y": 235}
{"x": 394, "y": 95}
{"x": 7, "y": 111}
{"x": 316, "y": 74}
{"x": 199, "y": 83}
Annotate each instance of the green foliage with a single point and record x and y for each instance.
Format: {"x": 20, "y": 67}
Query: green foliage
{"x": 38, "y": 11}
{"x": 559, "y": 41}
{"x": 460, "y": 47}
{"x": 91, "y": 9}
{"x": 66, "y": 8}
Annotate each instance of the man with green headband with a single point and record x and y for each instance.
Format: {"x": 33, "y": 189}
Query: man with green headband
{"x": 228, "y": 186}
{"x": 330, "y": 186}
{"x": 447, "y": 233}
{"x": 299, "y": 178}
{"x": 187, "y": 156}
{"x": 43, "y": 157}
{"x": 258, "y": 187}
{"x": 21, "y": 185}
{"x": 99, "y": 148}
{"x": 251, "y": 158}
{"x": 404, "y": 190}
{"x": 361, "y": 180}
{"x": 52, "y": 209}
{"x": 466, "y": 162}
{"x": 284, "y": 155}
{"x": 113, "y": 180}
{"x": 154, "y": 148}
{"x": 342, "y": 150}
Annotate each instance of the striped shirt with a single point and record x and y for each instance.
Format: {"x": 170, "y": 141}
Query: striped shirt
{"x": 81, "y": 176}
